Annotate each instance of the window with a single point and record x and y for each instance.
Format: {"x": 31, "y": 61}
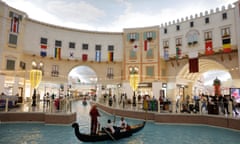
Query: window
{"x": 22, "y": 65}
{"x": 206, "y": 20}
{"x": 98, "y": 47}
{"x": 165, "y": 31}
{"x": 208, "y": 35}
{"x": 58, "y": 43}
{"x": 43, "y": 40}
{"x": 191, "y": 24}
{"x": 85, "y": 46}
{"x": 110, "y": 74}
{"x": 225, "y": 32}
{"x": 224, "y": 16}
{"x": 149, "y": 35}
{"x": 178, "y": 41}
{"x": 10, "y": 65}
{"x": 98, "y": 53}
{"x": 110, "y": 48}
{"x": 178, "y": 27}
{"x": 71, "y": 45}
{"x": 132, "y": 36}
{"x": 165, "y": 44}
{"x": 150, "y": 71}
{"x": 13, "y": 39}
{"x": 55, "y": 71}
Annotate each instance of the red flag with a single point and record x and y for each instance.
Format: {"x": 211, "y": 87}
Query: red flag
{"x": 146, "y": 45}
{"x": 193, "y": 65}
{"x": 208, "y": 48}
{"x": 84, "y": 57}
{"x": 14, "y": 24}
{"x": 43, "y": 46}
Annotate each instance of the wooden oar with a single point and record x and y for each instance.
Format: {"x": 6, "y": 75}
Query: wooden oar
{"x": 109, "y": 134}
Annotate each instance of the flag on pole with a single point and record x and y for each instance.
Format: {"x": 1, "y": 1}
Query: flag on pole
{"x": 84, "y": 57}
{"x": 135, "y": 46}
{"x": 71, "y": 54}
{"x": 57, "y": 53}
{"x": 165, "y": 54}
{"x": 193, "y": 62}
{"x": 208, "y": 47}
{"x": 110, "y": 56}
{"x": 98, "y": 56}
{"x": 226, "y": 45}
{"x": 15, "y": 24}
{"x": 178, "y": 53}
{"x": 43, "y": 51}
{"x": 146, "y": 45}
{"x": 43, "y": 47}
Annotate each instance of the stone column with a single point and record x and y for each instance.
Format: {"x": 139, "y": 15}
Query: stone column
{"x": 15, "y": 86}
{"x": 230, "y": 109}
{"x": 2, "y": 81}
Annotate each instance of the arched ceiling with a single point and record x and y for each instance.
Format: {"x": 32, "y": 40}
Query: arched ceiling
{"x": 204, "y": 66}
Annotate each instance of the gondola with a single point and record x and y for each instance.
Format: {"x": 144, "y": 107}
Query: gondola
{"x": 105, "y": 135}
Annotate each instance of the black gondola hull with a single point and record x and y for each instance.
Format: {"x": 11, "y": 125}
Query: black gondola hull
{"x": 103, "y": 136}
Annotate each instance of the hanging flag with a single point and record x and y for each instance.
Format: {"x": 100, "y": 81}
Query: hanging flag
{"x": 178, "y": 53}
{"x": 43, "y": 51}
{"x": 84, "y": 57}
{"x": 71, "y": 54}
{"x": 208, "y": 47}
{"x": 226, "y": 45}
{"x": 146, "y": 45}
{"x": 135, "y": 46}
{"x": 165, "y": 53}
{"x": 110, "y": 56}
{"x": 98, "y": 56}
{"x": 193, "y": 62}
{"x": 15, "y": 24}
{"x": 57, "y": 53}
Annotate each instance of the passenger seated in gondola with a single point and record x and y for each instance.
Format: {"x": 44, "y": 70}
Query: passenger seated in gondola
{"x": 122, "y": 124}
{"x": 110, "y": 127}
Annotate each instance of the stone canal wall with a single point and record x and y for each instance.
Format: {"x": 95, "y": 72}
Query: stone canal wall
{"x": 212, "y": 120}
{"x": 48, "y": 118}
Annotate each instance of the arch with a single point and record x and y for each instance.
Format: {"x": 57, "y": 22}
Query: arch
{"x": 204, "y": 66}
{"x": 82, "y": 75}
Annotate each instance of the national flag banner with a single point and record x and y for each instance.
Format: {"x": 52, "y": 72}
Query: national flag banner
{"x": 84, "y": 57}
{"x": 135, "y": 46}
{"x": 43, "y": 51}
{"x": 98, "y": 56}
{"x": 208, "y": 47}
{"x": 178, "y": 53}
{"x": 71, "y": 55}
{"x": 146, "y": 45}
{"x": 165, "y": 54}
{"x": 226, "y": 45}
{"x": 57, "y": 53}
{"x": 110, "y": 56}
{"x": 193, "y": 62}
{"x": 15, "y": 24}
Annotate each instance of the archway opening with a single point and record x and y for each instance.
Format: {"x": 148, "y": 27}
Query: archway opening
{"x": 82, "y": 81}
{"x": 202, "y": 82}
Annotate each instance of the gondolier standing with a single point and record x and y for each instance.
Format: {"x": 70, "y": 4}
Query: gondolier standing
{"x": 94, "y": 114}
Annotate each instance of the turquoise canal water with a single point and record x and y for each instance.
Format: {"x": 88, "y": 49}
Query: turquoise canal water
{"x": 39, "y": 133}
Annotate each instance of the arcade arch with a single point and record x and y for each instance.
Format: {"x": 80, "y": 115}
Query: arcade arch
{"x": 197, "y": 83}
{"x": 82, "y": 80}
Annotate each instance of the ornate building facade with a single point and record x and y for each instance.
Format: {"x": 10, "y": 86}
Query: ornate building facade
{"x": 169, "y": 58}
